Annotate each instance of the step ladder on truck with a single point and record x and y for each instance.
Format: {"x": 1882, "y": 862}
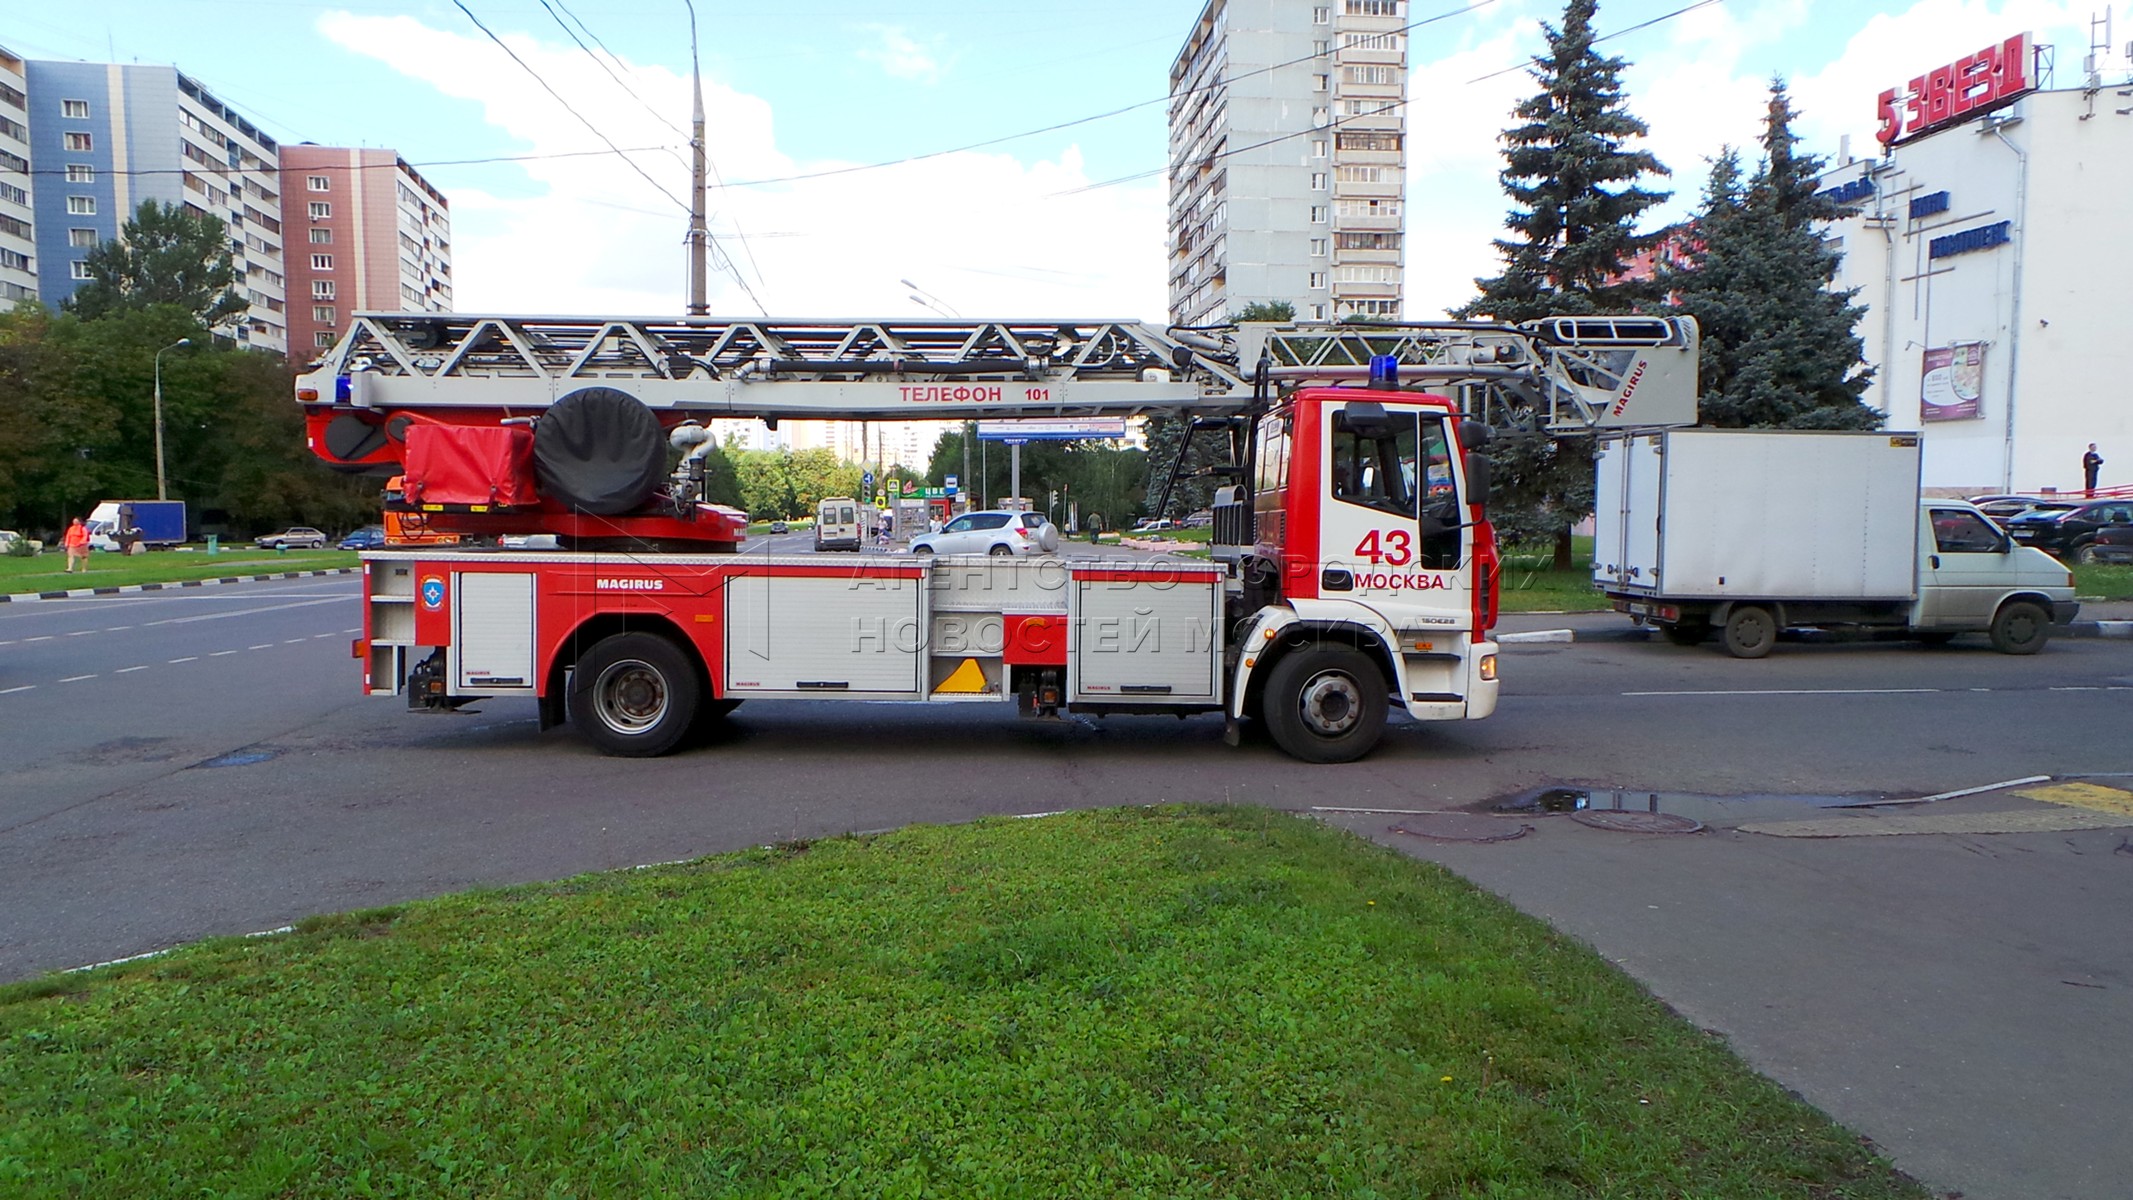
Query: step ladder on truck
{"x": 1353, "y": 567}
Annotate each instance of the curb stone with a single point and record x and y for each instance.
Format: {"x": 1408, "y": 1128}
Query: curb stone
{"x": 88, "y": 592}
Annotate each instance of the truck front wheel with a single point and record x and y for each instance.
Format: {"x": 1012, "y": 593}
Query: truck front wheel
{"x": 1326, "y": 704}
{"x": 634, "y": 695}
{"x": 2021, "y": 627}
{"x": 1750, "y": 632}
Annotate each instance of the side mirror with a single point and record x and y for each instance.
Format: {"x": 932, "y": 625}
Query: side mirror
{"x": 1477, "y": 479}
{"x": 1474, "y": 434}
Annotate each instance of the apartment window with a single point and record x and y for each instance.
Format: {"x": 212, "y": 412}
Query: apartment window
{"x": 321, "y": 210}
{"x": 1320, "y": 83}
{"x": 1360, "y": 174}
{"x": 1318, "y": 214}
{"x": 322, "y": 237}
{"x": 1318, "y": 148}
{"x": 1318, "y": 279}
{"x": 322, "y": 289}
{"x": 81, "y": 237}
{"x": 80, "y": 269}
{"x": 318, "y": 183}
{"x": 1367, "y": 139}
{"x": 1322, "y": 15}
{"x": 81, "y": 206}
{"x": 9, "y": 191}
{"x": 323, "y": 339}
{"x": 14, "y": 260}
{"x": 1320, "y": 49}
{"x": 1318, "y": 312}
{"x": 1318, "y": 247}
{"x": 77, "y": 109}
{"x": 80, "y": 173}
{"x": 80, "y": 142}
{"x": 322, "y": 313}
{"x": 322, "y": 262}
{"x": 1370, "y": 74}
{"x": 1318, "y": 181}
{"x": 1373, "y": 8}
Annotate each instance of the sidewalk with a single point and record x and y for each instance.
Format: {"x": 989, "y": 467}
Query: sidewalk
{"x": 2097, "y": 618}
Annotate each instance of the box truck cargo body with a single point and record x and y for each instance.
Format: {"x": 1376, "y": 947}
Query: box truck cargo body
{"x": 160, "y": 522}
{"x": 1746, "y": 532}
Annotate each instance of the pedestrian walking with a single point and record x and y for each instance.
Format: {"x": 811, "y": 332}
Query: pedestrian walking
{"x": 77, "y": 544}
{"x": 2091, "y": 463}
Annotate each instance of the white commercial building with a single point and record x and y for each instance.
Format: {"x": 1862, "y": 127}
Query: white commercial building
{"x": 1288, "y": 131}
{"x": 1989, "y": 250}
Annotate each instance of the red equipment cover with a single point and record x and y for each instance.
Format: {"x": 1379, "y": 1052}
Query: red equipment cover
{"x": 470, "y": 465}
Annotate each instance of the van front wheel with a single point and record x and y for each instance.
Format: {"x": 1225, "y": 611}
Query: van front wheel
{"x": 2021, "y": 627}
{"x": 1326, "y": 704}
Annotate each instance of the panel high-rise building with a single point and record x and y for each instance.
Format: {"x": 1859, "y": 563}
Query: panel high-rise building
{"x": 367, "y": 233}
{"x": 1288, "y": 132}
{"x": 18, "y": 241}
{"x": 104, "y": 137}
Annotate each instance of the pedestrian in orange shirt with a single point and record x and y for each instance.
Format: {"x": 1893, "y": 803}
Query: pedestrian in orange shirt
{"x": 77, "y": 543}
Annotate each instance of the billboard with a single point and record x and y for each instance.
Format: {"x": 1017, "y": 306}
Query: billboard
{"x": 1052, "y": 429}
{"x": 1952, "y": 385}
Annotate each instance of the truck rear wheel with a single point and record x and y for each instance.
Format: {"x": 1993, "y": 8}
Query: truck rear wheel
{"x": 634, "y": 695}
{"x": 1750, "y": 631}
{"x": 2021, "y": 627}
{"x": 1325, "y": 704}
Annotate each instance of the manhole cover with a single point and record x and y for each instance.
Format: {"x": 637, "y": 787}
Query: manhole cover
{"x": 1636, "y": 822}
{"x": 1462, "y": 827}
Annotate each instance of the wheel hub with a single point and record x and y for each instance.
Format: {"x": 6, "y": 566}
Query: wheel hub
{"x": 631, "y": 696}
{"x": 1331, "y": 704}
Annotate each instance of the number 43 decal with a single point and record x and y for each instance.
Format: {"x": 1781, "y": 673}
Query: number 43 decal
{"x": 1392, "y": 548}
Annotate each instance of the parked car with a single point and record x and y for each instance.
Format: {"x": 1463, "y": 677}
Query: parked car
{"x": 780, "y": 527}
{"x": 2000, "y": 508}
{"x": 1204, "y": 519}
{"x": 1155, "y": 526}
{"x": 2113, "y": 544}
{"x": 2070, "y": 533}
{"x": 369, "y": 537}
{"x": 293, "y": 538}
{"x": 998, "y": 532}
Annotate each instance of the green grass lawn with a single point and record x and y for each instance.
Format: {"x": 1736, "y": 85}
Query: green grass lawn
{"x": 2105, "y": 581}
{"x": 46, "y": 572}
{"x": 1124, "y": 1003}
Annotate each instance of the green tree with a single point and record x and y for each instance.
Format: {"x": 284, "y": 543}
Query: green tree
{"x": 164, "y": 254}
{"x": 1574, "y": 186}
{"x": 1780, "y": 347}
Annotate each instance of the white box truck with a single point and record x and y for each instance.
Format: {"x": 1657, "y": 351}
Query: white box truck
{"x": 1750, "y": 532}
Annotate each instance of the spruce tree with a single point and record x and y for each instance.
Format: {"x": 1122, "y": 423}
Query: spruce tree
{"x": 1573, "y": 184}
{"x": 1779, "y": 346}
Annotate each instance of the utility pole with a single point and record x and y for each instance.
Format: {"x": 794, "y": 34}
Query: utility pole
{"x": 699, "y": 230}
{"x": 162, "y": 490}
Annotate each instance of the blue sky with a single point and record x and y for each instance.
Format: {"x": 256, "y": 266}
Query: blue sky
{"x": 801, "y": 92}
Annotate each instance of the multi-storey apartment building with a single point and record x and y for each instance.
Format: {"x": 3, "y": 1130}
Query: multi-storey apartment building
{"x": 18, "y": 243}
{"x": 367, "y": 233}
{"x": 105, "y": 137}
{"x": 1288, "y": 130}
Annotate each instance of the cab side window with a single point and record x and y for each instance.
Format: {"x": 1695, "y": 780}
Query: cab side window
{"x": 1375, "y": 468}
{"x": 1959, "y": 532}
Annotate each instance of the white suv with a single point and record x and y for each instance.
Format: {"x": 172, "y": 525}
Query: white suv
{"x": 995, "y": 532}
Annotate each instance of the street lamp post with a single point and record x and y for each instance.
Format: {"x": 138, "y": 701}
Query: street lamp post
{"x": 162, "y": 488}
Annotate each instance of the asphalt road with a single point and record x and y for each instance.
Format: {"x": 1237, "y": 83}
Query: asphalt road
{"x": 187, "y": 764}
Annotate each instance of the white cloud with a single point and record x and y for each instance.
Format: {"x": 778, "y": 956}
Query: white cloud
{"x": 986, "y": 233}
{"x": 900, "y": 56}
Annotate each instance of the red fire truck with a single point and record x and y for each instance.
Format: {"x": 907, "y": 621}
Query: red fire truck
{"x": 1353, "y": 567}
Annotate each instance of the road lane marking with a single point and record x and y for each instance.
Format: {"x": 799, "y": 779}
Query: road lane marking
{"x": 316, "y": 636}
{"x": 24, "y": 688}
{"x": 1807, "y": 692}
{"x": 82, "y": 633}
{"x": 43, "y": 638}
{"x": 351, "y": 631}
{"x": 221, "y": 653}
{"x": 126, "y": 670}
{"x": 2093, "y": 796}
{"x": 118, "y": 629}
{"x": 261, "y": 646}
{"x": 248, "y": 612}
{"x": 295, "y": 641}
{"x": 187, "y": 658}
{"x": 76, "y": 678}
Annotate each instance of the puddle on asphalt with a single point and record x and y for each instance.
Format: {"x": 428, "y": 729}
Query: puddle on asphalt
{"x": 1720, "y": 810}
{"x": 239, "y": 758}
